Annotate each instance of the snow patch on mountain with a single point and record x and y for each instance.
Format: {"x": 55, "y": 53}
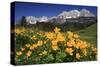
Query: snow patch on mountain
{"x": 31, "y": 19}
{"x": 69, "y": 14}
{"x": 43, "y": 19}
{"x": 86, "y": 13}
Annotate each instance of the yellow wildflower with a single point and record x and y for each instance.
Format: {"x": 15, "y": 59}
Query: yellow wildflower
{"x": 76, "y": 36}
{"x": 65, "y": 43}
{"x": 40, "y": 43}
{"x": 83, "y": 45}
{"x": 27, "y": 45}
{"x": 54, "y": 47}
{"x": 60, "y": 37}
{"x": 31, "y": 48}
{"x": 45, "y": 42}
{"x": 44, "y": 52}
{"x": 50, "y": 35}
{"x": 54, "y": 42}
{"x": 19, "y": 53}
{"x": 22, "y": 49}
{"x": 29, "y": 53}
{"x": 17, "y": 31}
{"x": 94, "y": 50}
{"x": 34, "y": 46}
{"x": 40, "y": 54}
{"x": 78, "y": 56}
{"x": 69, "y": 50}
{"x": 33, "y": 37}
{"x": 56, "y": 30}
{"x": 84, "y": 52}
{"x": 70, "y": 43}
{"x": 70, "y": 34}
{"x": 77, "y": 45}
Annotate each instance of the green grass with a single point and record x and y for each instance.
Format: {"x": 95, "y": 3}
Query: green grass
{"x": 89, "y": 34}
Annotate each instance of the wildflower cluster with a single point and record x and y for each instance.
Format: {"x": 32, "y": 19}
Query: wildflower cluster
{"x": 51, "y": 47}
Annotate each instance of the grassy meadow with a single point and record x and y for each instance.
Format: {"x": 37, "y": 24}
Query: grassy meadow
{"x": 89, "y": 34}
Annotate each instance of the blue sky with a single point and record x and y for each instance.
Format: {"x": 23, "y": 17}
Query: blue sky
{"x": 44, "y": 9}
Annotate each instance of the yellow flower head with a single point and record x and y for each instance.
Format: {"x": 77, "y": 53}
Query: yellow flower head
{"x": 19, "y": 53}
{"x": 34, "y": 46}
{"x": 83, "y": 45}
{"x": 65, "y": 43}
{"x": 50, "y": 35}
{"x": 45, "y": 42}
{"x": 78, "y": 56}
{"x": 33, "y": 37}
{"x": 69, "y": 50}
{"x": 56, "y": 30}
{"x": 70, "y": 34}
{"x": 29, "y": 53}
{"x": 27, "y": 45}
{"x": 54, "y": 42}
{"x": 40, "y": 54}
{"x": 84, "y": 52}
{"x": 76, "y": 36}
{"x": 31, "y": 47}
{"x": 44, "y": 52}
{"x": 70, "y": 43}
{"x": 54, "y": 47}
{"x": 94, "y": 50}
{"x": 60, "y": 37}
{"x": 40, "y": 43}
{"x": 17, "y": 31}
{"x": 77, "y": 45}
{"x": 22, "y": 49}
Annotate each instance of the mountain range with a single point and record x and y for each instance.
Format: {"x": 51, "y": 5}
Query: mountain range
{"x": 62, "y": 16}
{"x": 73, "y": 19}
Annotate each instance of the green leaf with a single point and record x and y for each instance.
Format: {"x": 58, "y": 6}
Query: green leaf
{"x": 50, "y": 57}
{"x": 60, "y": 56}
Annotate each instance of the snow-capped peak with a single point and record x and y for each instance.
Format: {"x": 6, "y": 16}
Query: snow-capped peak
{"x": 31, "y": 19}
{"x": 70, "y": 14}
{"x": 75, "y": 14}
{"x": 86, "y": 13}
{"x": 43, "y": 19}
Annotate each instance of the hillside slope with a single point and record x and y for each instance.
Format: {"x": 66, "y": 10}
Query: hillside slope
{"x": 89, "y": 34}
